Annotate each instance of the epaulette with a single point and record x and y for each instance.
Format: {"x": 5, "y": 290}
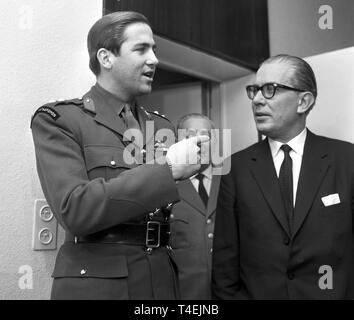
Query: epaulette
{"x": 48, "y": 108}
{"x": 54, "y": 103}
{"x": 156, "y": 113}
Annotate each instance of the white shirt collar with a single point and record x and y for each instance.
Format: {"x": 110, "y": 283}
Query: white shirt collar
{"x": 208, "y": 173}
{"x": 297, "y": 144}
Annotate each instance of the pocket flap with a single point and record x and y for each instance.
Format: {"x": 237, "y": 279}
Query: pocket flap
{"x": 105, "y": 156}
{"x": 76, "y": 260}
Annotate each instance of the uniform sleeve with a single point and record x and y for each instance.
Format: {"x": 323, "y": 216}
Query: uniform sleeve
{"x": 83, "y": 206}
{"x": 225, "y": 260}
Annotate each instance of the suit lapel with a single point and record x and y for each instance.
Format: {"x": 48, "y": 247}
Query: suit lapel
{"x": 188, "y": 193}
{"x": 104, "y": 105}
{"x": 111, "y": 121}
{"x": 143, "y": 117}
{"x": 314, "y": 166}
{"x": 213, "y": 198}
{"x": 149, "y": 135}
{"x": 263, "y": 170}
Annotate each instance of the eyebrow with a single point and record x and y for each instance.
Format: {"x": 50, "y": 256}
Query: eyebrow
{"x": 145, "y": 44}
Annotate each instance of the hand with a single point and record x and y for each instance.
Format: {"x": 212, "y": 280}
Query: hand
{"x": 184, "y": 157}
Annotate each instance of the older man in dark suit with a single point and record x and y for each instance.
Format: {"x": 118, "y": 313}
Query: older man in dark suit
{"x": 192, "y": 219}
{"x": 284, "y": 223}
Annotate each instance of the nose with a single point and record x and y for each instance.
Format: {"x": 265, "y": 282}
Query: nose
{"x": 258, "y": 98}
{"x": 152, "y": 59}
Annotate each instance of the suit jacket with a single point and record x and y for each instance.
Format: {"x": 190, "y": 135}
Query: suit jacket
{"x": 91, "y": 188}
{"x": 256, "y": 256}
{"x": 192, "y": 228}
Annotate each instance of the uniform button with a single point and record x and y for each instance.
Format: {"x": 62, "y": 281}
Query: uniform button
{"x": 113, "y": 163}
{"x": 208, "y": 221}
{"x": 210, "y": 235}
{"x": 291, "y": 276}
{"x": 87, "y": 99}
{"x": 286, "y": 241}
{"x": 211, "y": 250}
{"x": 172, "y": 216}
{"x": 83, "y": 272}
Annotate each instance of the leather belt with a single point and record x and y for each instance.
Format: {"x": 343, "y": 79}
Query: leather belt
{"x": 151, "y": 234}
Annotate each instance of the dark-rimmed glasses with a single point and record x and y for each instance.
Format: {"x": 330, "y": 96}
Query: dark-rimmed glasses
{"x": 268, "y": 90}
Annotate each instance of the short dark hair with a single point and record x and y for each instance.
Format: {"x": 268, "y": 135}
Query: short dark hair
{"x": 108, "y": 33}
{"x": 304, "y": 77}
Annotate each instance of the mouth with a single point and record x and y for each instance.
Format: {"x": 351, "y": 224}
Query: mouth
{"x": 149, "y": 74}
{"x": 261, "y": 116}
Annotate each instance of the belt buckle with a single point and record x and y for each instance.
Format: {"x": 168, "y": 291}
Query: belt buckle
{"x": 152, "y": 228}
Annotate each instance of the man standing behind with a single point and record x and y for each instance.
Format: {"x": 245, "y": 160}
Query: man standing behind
{"x": 192, "y": 219}
{"x": 113, "y": 211}
{"x": 284, "y": 224}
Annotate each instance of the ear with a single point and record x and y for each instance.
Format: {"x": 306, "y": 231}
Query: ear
{"x": 104, "y": 57}
{"x": 306, "y": 102}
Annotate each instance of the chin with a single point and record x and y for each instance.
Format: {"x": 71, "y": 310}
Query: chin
{"x": 144, "y": 90}
{"x": 263, "y": 129}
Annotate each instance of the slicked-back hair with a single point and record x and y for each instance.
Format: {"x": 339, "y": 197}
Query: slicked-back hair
{"x": 108, "y": 33}
{"x": 303, "y": 76}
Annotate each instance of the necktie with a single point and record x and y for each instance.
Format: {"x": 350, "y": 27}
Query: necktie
{"x": 129, "y": 119}
{"x": 201, "y": 189}
{"x": 286, "y": 182}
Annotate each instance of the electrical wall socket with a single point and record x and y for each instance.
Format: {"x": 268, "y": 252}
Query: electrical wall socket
{"x": 45, "y": 227}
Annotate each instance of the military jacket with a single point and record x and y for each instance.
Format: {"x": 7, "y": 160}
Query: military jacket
{"x": 90, "y": 187}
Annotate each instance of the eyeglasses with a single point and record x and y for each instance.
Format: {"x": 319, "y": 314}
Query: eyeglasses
{"x": 194, "y": 132}
{"x": 268, "y": 90}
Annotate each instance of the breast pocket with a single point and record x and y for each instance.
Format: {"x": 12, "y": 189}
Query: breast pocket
{"x": 106, "y": 161}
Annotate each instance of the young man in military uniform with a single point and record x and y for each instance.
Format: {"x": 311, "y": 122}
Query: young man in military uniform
{"x": 114, "y": 212}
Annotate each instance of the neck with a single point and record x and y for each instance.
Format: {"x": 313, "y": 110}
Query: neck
{"x": 109, "y": 86}
{"x": 288, "y": 136}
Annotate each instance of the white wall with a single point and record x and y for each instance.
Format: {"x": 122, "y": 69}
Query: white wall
{"x": 294, "y": 26}
{"x": 236, "y": 113}
{"x": 43, "y": 57}
{"x": 333, "y": 114}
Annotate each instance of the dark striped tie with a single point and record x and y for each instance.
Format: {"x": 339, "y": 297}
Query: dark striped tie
{"x": 201, "y": 189}
{"x": 129, "y": 119}
{"x": 286, "y": 183}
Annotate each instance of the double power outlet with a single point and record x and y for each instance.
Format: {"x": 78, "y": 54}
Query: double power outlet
{"x": 45, "y": 227}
